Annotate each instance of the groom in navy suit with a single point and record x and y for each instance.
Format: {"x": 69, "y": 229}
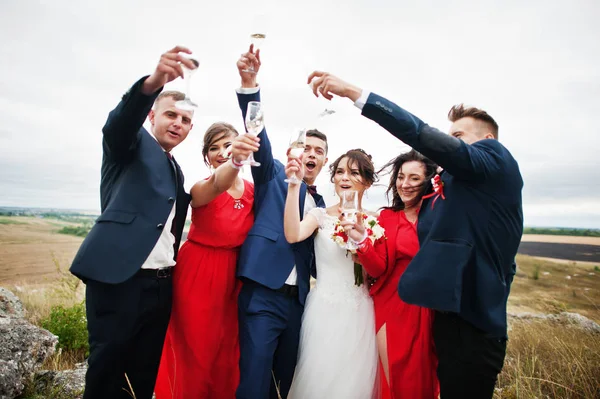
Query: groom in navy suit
{"x": 127, "y": 258}
{"x": 469, "y": 235}
{"x": 276, "y": 274}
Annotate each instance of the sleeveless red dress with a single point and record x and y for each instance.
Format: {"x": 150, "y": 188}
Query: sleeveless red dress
{"x": 201, "y": 350}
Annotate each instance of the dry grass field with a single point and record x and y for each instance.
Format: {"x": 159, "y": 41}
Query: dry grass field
{"x": 545, "y": 359}
{"x": 561, "y": 239}
{"x": 30, "y": 249}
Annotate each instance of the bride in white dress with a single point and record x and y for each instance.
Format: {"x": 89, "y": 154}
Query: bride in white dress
{"x": 337, "y": 357}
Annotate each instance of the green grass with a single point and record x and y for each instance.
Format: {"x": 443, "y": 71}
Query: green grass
{"x": 560, "y": 231}
{"x": 79, "y": 231}
{"x": 8, "y": 220}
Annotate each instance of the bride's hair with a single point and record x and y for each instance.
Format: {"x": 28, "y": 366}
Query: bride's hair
{"x": 359, "y": 158}
{"x": 214, "y": 133}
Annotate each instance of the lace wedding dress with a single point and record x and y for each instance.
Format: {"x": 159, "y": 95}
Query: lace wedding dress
{"x": 338, "y": 352}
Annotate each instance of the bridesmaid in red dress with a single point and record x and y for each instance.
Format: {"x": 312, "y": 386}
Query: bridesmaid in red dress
{"x": 404, "y": 332}
{"x": 200, "y": 353}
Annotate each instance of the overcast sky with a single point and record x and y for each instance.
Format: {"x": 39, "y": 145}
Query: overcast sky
{"x": 534, "y": 66}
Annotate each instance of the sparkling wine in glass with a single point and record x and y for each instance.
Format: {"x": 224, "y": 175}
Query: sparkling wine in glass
{"x": 350, "y": 210}
{"x": 187, "y": 104}
{"x": 257, "y": 37}
{"x": 297, "y": 144}
{"x": 254, "y": 125}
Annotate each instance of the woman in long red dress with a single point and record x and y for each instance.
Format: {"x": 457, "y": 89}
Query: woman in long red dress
{"x": 404, "y": 334}
{"x": 200, "y": 354}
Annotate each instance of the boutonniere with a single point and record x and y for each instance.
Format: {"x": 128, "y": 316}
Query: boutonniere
{"x": 438, "y": 189}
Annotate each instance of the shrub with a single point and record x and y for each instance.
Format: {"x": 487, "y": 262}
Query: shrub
{"x": 79, "y": 231}
{"x": 70, "y": 325}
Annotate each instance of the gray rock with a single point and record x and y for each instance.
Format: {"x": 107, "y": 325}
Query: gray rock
{"x": 567, "y": 318}
{"x": 63, "y": 384}
{"x": 23, "y": 349}
{"x": 10, "y": 305}
{"x": 580, "y": 321}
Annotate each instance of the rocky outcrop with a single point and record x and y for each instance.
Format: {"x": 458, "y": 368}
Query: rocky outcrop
{"x": 566, "y": 318}
{"x": 64, "y": 384}
{"x": 23, "y": 346}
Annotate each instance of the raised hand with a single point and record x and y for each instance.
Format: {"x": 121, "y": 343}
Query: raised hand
{"x": 244, "y": 145}
{"x": 328, "y": 85}
{"x": 247, "y": 61}
{"x": 168, "y": 69}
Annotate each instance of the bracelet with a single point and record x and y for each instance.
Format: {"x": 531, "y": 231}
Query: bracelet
{"x": 363, "y": 242}
{"x": 236, "y": 165}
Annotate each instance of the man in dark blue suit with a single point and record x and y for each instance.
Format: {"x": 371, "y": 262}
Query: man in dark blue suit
{"x": 469, "y": 235}
{"x": 127, "y": 258}
{"x": 276, "y": 274}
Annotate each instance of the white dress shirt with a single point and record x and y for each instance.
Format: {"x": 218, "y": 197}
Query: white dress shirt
{"x": 163, "y": 253}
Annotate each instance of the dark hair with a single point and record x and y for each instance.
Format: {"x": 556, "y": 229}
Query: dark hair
{"x": 395, "y": 165}
{"x": 459, "y": 111}
{"x": 214, "y": 133}
{"x": 363, "y": 161}
{"x": 174, "y": 94}
{"x": 319, "y": 135}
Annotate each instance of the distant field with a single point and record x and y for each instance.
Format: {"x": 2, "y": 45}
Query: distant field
{"x": 31, "y": 248}
{"x": 561, "y": 239}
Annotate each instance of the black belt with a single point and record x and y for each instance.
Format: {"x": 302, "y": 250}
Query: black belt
{"x": 289, "y": 290}
{"x": 163, "y": 272}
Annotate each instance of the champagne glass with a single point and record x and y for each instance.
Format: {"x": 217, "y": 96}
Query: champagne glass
{"x": 257, "y": 36}
{"x": 254, "y": 125}
{"x": 350, "y": 210}
{"x": 297, "y": 144}
{"x": 187, "y": 104}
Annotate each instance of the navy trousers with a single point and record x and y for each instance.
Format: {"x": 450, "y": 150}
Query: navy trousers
{"x": 269, "y": 324}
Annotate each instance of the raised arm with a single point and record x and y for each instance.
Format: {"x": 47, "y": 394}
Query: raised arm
{"x": 294, "y": 229}
{"x": 120, "y": 132}
{"x": 470, "y": 162}
{"x": 250, "y": 91}
{"x": 205, "y": 191}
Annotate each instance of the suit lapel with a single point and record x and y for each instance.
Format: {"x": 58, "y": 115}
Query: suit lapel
{"x": 319, "y": 200}
{"x": 302, "y": 199}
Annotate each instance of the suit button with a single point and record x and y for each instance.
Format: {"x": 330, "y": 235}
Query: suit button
{"x": 171, "y": 200}
{"x": 160, "y": 226}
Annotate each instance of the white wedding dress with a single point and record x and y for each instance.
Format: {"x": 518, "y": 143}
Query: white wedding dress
{"x": 338, "y": 356}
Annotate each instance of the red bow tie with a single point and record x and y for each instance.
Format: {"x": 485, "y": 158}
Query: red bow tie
{"x": 312, "y": 189}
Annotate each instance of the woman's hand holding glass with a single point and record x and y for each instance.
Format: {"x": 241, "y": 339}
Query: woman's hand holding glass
{"x": 242, "y": 147}
{"x": 354, "y": 229}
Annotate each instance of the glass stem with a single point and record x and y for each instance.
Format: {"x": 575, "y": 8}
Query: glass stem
{"x": 188, "y": 80}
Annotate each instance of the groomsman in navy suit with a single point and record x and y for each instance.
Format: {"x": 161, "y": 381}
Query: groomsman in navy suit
{"x": 127, "y": 258}
{"x": 276, "y": 274}
{"x": 469, "y": 234}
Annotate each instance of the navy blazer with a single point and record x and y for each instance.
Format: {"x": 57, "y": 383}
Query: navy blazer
{"x": 137, "y": 189}
{"x": 470, "y": 239}
{"x": 266, "y": 257}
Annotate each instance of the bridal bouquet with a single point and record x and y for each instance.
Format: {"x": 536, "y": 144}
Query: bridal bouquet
{"x": 374, "y": 233}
